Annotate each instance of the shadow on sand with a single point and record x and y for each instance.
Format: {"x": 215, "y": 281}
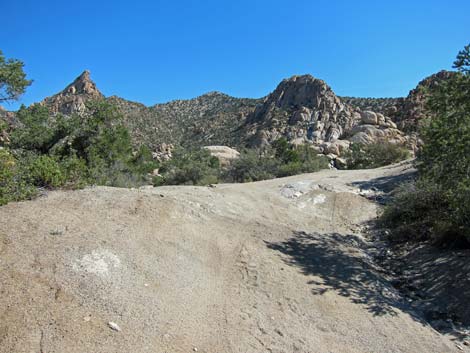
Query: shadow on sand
{"x": 338, "y": 264}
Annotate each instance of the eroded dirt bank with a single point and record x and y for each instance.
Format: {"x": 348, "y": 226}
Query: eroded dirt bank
{"x": 274, "y": 266}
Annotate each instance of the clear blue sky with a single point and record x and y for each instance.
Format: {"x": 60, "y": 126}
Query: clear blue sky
{"x": 155, "y": 51}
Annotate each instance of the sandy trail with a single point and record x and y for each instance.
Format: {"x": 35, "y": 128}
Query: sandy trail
{"x": 273, "y": 266}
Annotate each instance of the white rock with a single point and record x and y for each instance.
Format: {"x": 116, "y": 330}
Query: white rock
{"x": 223, "y": 153}
{"x": 113, "y": 326}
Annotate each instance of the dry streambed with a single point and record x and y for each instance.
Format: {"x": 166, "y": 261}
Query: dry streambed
{"x": 274, "y": 266}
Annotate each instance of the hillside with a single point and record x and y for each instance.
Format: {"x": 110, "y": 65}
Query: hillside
{"x": 303, "y": 109}
{"x": 276, "y": 266}
{"x": 407, "y": 111}
{"x": 211, "y": 119}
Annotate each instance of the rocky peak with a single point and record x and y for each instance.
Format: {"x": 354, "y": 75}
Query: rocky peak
{"x": 74, "y": 97}
{"x": 298, "y": 91}
{"x": 414, "y": 109}
{"x": 302, "y": 109}
{"x": 82, "y": 85}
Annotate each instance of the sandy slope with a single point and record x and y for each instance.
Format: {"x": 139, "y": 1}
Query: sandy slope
{"x": 274, "y": 266}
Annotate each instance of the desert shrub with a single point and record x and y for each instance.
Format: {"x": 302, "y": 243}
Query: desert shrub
{"x": 39, "y": 131}
{"x": 374, "y": 155}
{"x": 13, "y": 184}
{"x": 252, "y": 165}
{"x": 75, "y": 171}
{"x": 281, "y": 160}
{"x": 189, "y": 167}
{"x": 311, "y": 160}
{"x": 51, "y": 171}
{"x": 445, "y": 156}
{"x": 142, "y": 161}
{"x": 285, "y": 152}
{"x": 73, "y": 151}
{"x": 45, "y": 171}
{"x": 417, "y": 208}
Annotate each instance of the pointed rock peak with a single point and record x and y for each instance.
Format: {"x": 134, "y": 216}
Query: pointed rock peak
{"x": 74, "y": 97}
{"x": 83, "y": 84}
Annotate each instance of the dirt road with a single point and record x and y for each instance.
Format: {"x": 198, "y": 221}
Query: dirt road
{"x": 274, "y": 266}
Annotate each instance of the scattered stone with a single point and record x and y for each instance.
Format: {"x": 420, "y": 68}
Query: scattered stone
{"x": 113, "y": 326}
{"x": 146, "y": 187}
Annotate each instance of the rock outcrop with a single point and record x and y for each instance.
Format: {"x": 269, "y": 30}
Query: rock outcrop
{"x": 7, "y": 123}
{"x": 413, "y": 110}
{"x": 302, "y": 109}
{"x": 406, "y": 112}
{"x": 74, "y": 97}
{"x": 224, "y": 154}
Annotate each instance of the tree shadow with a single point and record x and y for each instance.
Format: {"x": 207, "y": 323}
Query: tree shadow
{"x": 438, "y": 282}
{"x": 339, "y": 264}
{"x": 380, "y": 189}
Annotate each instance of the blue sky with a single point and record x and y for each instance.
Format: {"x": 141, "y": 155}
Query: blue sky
{"x": 156, "y": 51}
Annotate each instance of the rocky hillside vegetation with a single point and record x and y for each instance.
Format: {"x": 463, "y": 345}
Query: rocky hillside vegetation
{"x": 407, "y": 112}
{"x": 302, "y": 126}
{"x": 302, "y": 109}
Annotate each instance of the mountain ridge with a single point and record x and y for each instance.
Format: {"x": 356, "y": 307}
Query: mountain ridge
{"x": 303, "y": 109}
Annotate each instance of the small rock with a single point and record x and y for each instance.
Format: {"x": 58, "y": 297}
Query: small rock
{"x": 113, "y": 326}
{"x": 195, "y": 349}
{"x": 466, "y": 343}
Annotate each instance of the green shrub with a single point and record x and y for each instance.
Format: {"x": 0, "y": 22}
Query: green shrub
{"x": 279, "y": 161}
{"x": 414, "y": 211}
{"x": 46, "y": 171}
{"x": 189, "y": 167}
{"x": 142, "y": 161}
{"x": 13, "y": 184}
{"x": 72, "y": 151}
{"x": 252, "y": 165}
{"x": 39, "y": 131}
{"x": 285, "y": 152}
{"x": 374, "y": 155}
{"x": 311, "y": 160}
{"x": 76, "y": 172}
